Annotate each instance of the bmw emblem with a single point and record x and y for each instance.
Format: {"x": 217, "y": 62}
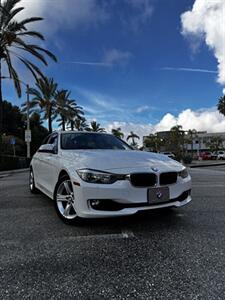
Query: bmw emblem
{"x": 159, "y": 195}
{"x": 155, "y": 169}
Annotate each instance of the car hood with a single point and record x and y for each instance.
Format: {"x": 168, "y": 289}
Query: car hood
{"x": 121, "y": 161}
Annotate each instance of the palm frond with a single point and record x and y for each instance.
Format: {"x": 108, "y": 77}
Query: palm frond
{"x": 10, "y": 4}
{"x": 26, "y": 47}
{"x": 48, "y": 53}
{"x": 36, "y": 72}
{"x": 34, "y": 34}
{"x": 34, "y": 92}
{"x": 8, "y": 17}
{"x": 15, "y": 27}
{"x": 13, "y": 74}
{"x": 11, "y": 15}
{"x": 30, "y": 20}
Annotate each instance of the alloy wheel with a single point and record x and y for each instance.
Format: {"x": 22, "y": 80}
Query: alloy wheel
{"x": 65, "y": 200}
{"x": 31, "y": 180}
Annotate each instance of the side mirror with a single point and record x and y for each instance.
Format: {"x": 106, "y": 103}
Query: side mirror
{"x": 47, "y": 148}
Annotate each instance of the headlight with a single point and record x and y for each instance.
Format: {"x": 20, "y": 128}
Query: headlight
{"x": 183, "y": 173}
{"x": 94, "y": 176}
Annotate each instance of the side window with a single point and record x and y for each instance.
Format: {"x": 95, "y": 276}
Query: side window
{"x": 54, "y": 141}
{"x": 45, "y": 140}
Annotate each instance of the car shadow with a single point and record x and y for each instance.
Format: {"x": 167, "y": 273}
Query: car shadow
{"x": 153, "y": 220}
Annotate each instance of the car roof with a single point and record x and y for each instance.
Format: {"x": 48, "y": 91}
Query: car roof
{"x": 74, "y": 131}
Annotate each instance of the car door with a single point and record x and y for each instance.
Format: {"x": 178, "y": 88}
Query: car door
{"x": 50, "y": 166}
{"x": 37, "y": 164}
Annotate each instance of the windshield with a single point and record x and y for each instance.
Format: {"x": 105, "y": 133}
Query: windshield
{"x": 76, "y": 141}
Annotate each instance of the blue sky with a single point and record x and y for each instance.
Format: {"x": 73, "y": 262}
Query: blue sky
{"x": 127, "y": 62}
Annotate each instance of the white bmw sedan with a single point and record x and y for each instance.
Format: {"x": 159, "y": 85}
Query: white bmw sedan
{"x": 95, "y": 175}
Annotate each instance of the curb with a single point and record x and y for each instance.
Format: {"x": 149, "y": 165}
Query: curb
{"x": 206, "y": 165}
{"x": 9, "y": 172}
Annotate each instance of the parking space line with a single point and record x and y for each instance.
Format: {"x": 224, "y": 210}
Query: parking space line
{"x": 127, "y": 233}
{"x": 208, "y": 185}
{"x": 96, "y": 237}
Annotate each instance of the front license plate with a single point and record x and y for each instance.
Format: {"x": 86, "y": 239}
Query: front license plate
{"x": 157, "y": 195}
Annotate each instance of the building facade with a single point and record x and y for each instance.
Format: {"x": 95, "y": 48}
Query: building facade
{"x": 197, "y": 142}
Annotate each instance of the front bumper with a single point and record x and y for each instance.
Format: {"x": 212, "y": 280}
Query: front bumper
{"x": 130, "y": 199}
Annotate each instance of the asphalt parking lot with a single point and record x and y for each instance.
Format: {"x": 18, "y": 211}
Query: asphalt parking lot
{"x": 152, "y": 255}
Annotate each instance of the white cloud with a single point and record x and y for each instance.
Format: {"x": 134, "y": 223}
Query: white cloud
{"x": 126, "y": 128}
{"x": 115, "y": 56}
{"x": 206, "y": 21}
{"x": 142, "y": 11}
{"x": 224, "y": 91}
{"x": 79, "y": 14}
{"x": 61, "y": 14}
{"x": 142, "y": 109}
{"x": 209, "y": 120}
{"x": 100, "y": 102}
{"x": 202, "y": 120}
{"x": 111, "y": 57}
{"x": 144, "y": 7}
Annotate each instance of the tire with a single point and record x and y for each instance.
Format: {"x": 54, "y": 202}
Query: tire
{"x": 32, "y": 186}
{"x": 64, "y": 201}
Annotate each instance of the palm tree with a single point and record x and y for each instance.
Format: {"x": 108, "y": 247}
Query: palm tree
{"x": 66, "y": 108}
{"x": 221, "y": 105}
{"x": 192, "y": 133}
{"x": 133, "y": 136}
{"x": 75, "y": 113}
{"x": 118, "y": 133}
{"x": 175, "y": 140}
{"x": 62, "y": 107}
{"x": 215, "y": 143}
{"x": 79, "y": 123}
{"x": 153, "y": 142}
{"x": 44, "y": 99}
{"x": 13, "y": 41}
{"x": 95, "y": 127}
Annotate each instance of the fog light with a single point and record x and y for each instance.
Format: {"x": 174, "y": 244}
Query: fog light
{"x": 95, "y": 202}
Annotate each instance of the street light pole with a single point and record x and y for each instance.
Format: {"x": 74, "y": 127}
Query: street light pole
{"x": 28, "y": 120}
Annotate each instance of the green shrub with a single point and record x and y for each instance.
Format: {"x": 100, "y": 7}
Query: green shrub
{"x": 187, "y": 159}
{"x": 12, "y": 163}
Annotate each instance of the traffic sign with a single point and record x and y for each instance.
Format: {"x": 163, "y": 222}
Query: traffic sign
{"x": 12, "y": 141}
{"x": 28, "y": 136}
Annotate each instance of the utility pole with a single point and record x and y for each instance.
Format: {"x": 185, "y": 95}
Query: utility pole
{"x": 1, "y": 104}
{"x": 28, "y": 134}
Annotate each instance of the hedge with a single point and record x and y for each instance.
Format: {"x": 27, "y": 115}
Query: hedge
{"x": 12, "y": 163}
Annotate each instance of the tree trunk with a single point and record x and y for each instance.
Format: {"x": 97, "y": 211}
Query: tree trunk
{"x": 72, "y": 125}
{"x": 1, "y": 101}
{"x": 63, "y": 123}
{"x": 192, "y": 147}
{"x": 1, "y": 107}
{"x": 50, "y": 120}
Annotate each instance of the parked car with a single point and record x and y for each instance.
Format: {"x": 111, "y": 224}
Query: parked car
{"x": 95, "y": 175}
{"x": 205, "y": 155}
{"x": 218, "y": 155}
{"x": 169, "y": 154}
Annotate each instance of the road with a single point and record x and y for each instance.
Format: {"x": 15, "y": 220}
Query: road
{"x": 154, "y": 255}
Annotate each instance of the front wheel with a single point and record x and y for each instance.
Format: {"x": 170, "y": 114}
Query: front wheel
{"x": 65, "y": 201}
